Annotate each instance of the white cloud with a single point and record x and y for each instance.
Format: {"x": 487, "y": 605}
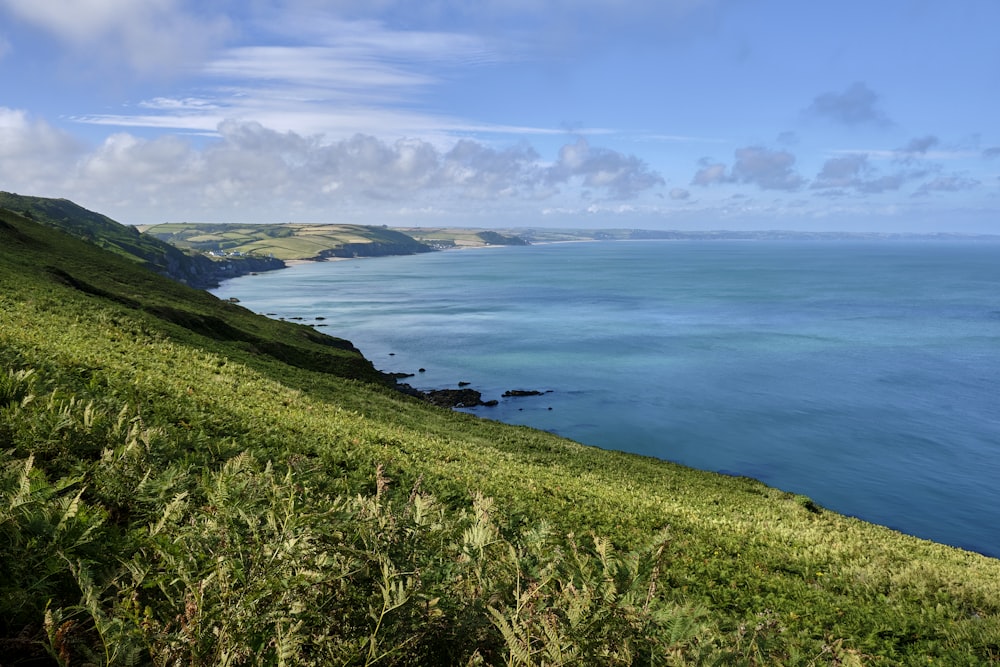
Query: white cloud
{"x": 150, "y": 36}
{"x": 484, "y": 172}
{"x": 252, "y": 172}
{"x": 313, "y": 66}
{"x": 623, "y": 176}
{"x": 354, "y": 77}
{"x": 33, "y": 154}
{"x": 362, "y": 38}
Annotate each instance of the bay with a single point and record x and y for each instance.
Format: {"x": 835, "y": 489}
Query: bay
{"x": 863, "y": 374}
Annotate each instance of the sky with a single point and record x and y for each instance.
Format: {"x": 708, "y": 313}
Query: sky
{"x": 847, "y": 115}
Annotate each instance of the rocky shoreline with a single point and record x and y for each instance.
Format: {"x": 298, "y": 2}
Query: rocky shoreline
{"x": 464, "y": 397}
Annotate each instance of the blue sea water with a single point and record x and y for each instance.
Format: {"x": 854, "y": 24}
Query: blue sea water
{"x": 862, "y": 374}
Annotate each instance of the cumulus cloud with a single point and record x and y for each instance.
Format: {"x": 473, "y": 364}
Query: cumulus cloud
{"x": 770, "y": 170}
{"x": 992, "y": 152}
{"x": 32, "y": 151}
{"x": 857, "y": 105}
{"x": 711, "y": 173}
{"x": 622, "y": 176}
{"x": 679, "y": 194}
{"x": 855, "y": 172}
{"x": 842, "y": 172}
{"x": 482, "y": 171}
{"x": 150, "y": 36}
{"x": 910, "y": 163}
{"x": 767, "y": 169}
{"x": 251, "y": 170}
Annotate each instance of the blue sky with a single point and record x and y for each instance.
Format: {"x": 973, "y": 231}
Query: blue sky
{"x": 657, "y": 114}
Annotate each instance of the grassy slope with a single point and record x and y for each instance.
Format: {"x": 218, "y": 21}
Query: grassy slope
{"x": 94, "y": 227}
{"x": 122, "y": 240}
{"x": 779, "y": 581}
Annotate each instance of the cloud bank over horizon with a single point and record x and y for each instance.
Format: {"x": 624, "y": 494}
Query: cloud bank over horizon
{"x": 678, "y": 114}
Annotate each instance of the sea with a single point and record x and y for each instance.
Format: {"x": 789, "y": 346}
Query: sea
{"x": 863, "y": 374}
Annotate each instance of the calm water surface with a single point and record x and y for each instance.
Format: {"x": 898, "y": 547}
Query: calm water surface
{"x": 862, "y": 374}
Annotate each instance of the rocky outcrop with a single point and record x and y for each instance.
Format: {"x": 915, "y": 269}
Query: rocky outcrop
{"x": 454, "y": 398}
{"x": 458, "y": 398}
{"x": 204, "y": 273}
{"x": 448, "y": 398}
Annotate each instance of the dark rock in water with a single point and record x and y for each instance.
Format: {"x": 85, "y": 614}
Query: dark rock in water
{"x": 445, "y": 398}
{"x": 421, "y": 370}
{"x": 524, "y": 392}
{"x": 401, "y": 375}
{"x": 454, "y": 398}
{"x": 491, "y": 403}
{"x": 464, "y": 384}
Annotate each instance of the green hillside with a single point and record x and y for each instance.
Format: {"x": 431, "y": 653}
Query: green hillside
{"x": 184, "y": 482}
{"x": 193, "y": 269}
{"x": 289, "y": 241}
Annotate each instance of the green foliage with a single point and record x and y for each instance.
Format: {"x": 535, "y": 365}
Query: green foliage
{"x": 176, "y": 488}
{"x": 258, "y": 571}
{"x": 42, "y": 526}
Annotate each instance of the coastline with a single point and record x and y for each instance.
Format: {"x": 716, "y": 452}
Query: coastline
{"x": 288, "y": 263}
{"x": 442, "y": 396}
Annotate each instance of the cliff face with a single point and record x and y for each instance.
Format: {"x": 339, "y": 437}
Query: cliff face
{"x": 376, "y": 249}
{"x": 201, "y": 272}
{"x": 495, "y": 238}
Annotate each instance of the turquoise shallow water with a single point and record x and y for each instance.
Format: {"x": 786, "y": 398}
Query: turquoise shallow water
{"x": 862, "y": 374}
